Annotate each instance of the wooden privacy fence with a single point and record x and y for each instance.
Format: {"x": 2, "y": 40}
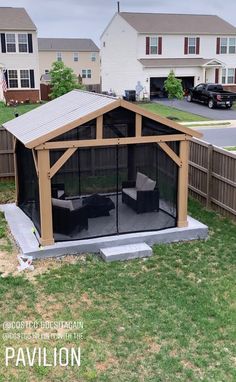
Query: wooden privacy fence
{"x": 212, "y": 177}
{"x": 212, "y": 173}
{"x": 6, "y": 155}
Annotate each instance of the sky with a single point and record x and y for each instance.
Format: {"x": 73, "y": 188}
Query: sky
{"x": 89, "y": 18}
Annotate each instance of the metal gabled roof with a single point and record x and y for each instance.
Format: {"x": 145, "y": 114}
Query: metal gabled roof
{"x": 46, "y": 121}
{"x": 71, "y": 110}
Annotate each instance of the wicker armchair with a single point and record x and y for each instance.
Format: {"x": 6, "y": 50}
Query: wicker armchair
{"x": 141, "y": 195}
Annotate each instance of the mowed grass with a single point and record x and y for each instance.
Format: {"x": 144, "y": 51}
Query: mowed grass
{"x": 8, "y": 112}
{"x": 167, "y": 318}
{"x": 166, "y": 111}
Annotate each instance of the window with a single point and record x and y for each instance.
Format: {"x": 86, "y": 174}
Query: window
{"x": 10, "y": 42}
{"x": 76, "y": 56}
{"x": 153, "y": 45}
{"x": 93, "y": 57}
{"x": 12, "y": 79}
{"x": 59, "y": 56}
{"x": 24, "y": 79}
{"x": 86, "y": 73}
{"x": 223, "y": 45}
{"x": 192, "y": 45}
{"x": 232, "y": 45}
{"x": 23, "y": 42}
{"x": 223, "y": 76}
{"x": 230, "y": 77}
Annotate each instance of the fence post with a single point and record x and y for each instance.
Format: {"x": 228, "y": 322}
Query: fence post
{"x": 209, "y": 175}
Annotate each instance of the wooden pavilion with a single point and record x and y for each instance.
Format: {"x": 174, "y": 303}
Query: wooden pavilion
{"x": 50, "y": 128}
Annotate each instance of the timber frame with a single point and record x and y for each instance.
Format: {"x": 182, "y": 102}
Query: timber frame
{"x": 42, "y": 146}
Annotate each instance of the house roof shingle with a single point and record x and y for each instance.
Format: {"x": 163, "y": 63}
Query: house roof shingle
{"x": 165, "y": 23}
{"x": 15, "y": 19}
{"x": 67, "y": 45}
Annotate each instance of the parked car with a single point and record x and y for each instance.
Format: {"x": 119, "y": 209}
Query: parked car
{"x": 212, "y": 95}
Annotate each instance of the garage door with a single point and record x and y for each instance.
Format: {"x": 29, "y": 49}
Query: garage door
{"x": 157, "y": 86}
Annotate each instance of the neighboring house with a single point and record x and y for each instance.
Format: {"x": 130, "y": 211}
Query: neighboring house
{"x": 138, "y": 50}
{"x": 19, "y": 55}
{"x": 81, "y": 55}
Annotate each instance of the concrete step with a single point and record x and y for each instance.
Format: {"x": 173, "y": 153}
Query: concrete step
{"x": 126, "y": 252}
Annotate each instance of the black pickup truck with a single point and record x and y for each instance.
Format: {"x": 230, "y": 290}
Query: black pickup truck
{"x": 212, "y": 95}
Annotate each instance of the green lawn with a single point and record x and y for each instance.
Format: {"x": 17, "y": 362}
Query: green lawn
{"x": 166, "y": 111}
{"x": 232, "y": 148}
{"x": 167, "y": 318}
{"x": 8, "y": 112}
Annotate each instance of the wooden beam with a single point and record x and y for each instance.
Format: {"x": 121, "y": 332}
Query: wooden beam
{"x": 111, "y": 141}
{"x": 182, "y": 201}
{"x": 69, "y": 126}
{"x": 35, "y": 161}
{"x": 45, "y": 198}
{"x": 99, "y": 127}
{"x": 62, "y": 160}
{"x": 138, "y": 125}
{"x": 16, "y": 172}
{"x": 155, "y": 117}
{"x": 170, "y": 153}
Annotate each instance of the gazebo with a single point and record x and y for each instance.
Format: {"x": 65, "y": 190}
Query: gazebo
{"x": 88, "y": 165}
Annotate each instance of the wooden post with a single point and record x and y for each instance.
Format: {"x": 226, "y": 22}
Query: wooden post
{"x": 99, "y": 127}
{"x": 138, "y": 125}
{"x": 209, "y": 176}
{"x": 183, "y": 185}
{"x": 16, "y": 172}
{"x": 45, "y": 198}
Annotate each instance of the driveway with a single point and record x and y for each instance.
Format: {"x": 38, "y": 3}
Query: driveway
{"x": 199, "y": 109}
{"x": 222, "y": 137}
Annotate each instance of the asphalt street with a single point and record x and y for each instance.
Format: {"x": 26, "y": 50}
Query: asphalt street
{"x": 200, "y": 109}
{"x": 222, "y": 137}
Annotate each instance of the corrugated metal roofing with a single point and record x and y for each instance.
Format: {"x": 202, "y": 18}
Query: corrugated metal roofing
{"x": 165, "y": 23}
{"x": 173, "y": 62}
{"x": 16, "y": 19}
{"x": 54, "y": 115}
{"x": 67, "y": 45}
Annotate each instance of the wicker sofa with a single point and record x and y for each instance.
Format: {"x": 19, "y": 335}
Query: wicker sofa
{"x": 141, "y": 195}
{"x": 68, "y": 218}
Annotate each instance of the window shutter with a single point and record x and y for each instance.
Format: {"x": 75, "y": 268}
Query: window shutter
{"x": 147, "y": 45}
{"x": 159, "y": 45}
{"x": 186, "y": 45}
{"x": 32, "y": 82}
{"x": 3, "y": 42}
{"x": 197, "y": 45}
{"x": 216, "y": 75}
{"x": 218, "y": 45}
{"x": 30, "y": 43}
{"x": 6, "y": 78}
{"x": 235, "y": 76}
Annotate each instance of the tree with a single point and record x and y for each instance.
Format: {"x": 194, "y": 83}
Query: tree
{"x": 173, "y": 86}
{"x": 63, "y": 80}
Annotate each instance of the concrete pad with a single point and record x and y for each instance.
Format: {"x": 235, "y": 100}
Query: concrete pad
{"x": 21, "y": 228}
{"x": 126, "y": 252}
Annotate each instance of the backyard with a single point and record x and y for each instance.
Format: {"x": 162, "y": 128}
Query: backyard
{"x": 170, "y": 317}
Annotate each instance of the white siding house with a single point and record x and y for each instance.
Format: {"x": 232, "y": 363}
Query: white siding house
{"x": 138, "y": 50}
{"x": 19, "y": 55}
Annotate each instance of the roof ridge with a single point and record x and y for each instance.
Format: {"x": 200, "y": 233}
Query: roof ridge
{"x": 169, "y": 13}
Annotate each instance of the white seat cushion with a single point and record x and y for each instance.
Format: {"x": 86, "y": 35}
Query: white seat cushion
{"x": 140, "y": 179}
{"x": 132, "y": 192}
{"x": 63, "y": 203}
{"x": 148, "y": 185}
